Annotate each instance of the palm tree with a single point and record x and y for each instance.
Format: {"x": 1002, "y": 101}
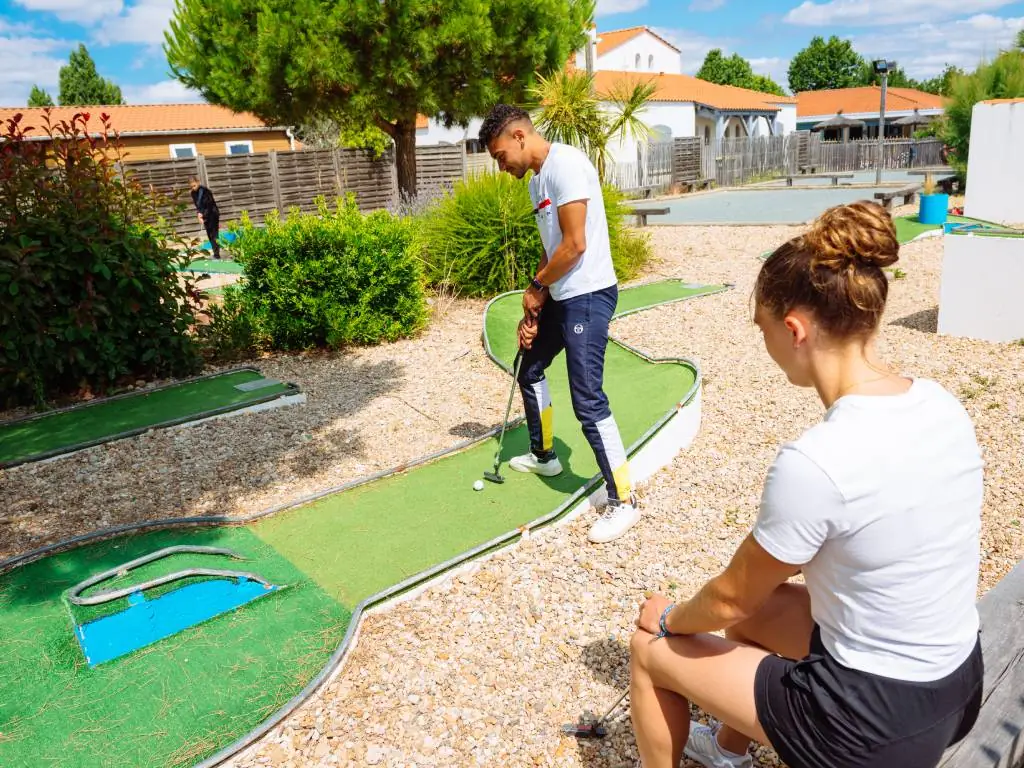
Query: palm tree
{"x": 568, "y": 109}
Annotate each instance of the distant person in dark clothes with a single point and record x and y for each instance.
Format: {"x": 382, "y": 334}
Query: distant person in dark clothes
{"x": 209, "y": 213}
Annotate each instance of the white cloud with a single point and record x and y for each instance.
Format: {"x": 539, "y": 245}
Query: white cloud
{"x": 694, "y": 47}
{"x": 706, "y": 5}
{"x": 925, "y": 49}
{"x": 144, "y": 23}
{"x": 27, "y": 61}
{"x": 881, "y": 13}
{"x": 164, "y": 92}
{"x": 611, "y": 7}
{"x": 774, "y": 67}
{"x": 80, "y": 11}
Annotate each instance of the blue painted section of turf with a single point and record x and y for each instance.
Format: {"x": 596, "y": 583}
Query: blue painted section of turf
{"x": 145, "y": 622}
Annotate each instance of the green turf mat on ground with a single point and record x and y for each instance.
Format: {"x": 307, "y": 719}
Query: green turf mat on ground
{"x": 359, "y": 542}
{"x": 169, "y": 704}
{"x": 188, "y": 696}
{"x": 215, "y": 267}
{"x": 107, "y": 419}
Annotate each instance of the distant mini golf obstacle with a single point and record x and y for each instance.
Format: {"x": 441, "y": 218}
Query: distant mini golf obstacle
{"x": 64, "y": 431}
{"x": 996, "y": 162}
{"x": 982, "y": 279}
{"x": 983, "y": 266}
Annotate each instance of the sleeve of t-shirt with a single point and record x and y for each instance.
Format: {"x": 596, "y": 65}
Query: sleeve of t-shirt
{"x": 797, "y": 503}
{"x": 569, "y": 182}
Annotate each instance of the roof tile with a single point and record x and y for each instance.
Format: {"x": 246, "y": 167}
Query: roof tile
{"x": 864, "y": 99}
{"x": 684, "y": 88}
{"x": 144, "y": 118}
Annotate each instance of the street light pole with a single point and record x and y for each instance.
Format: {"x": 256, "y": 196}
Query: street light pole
{"x": 882, "y": 67}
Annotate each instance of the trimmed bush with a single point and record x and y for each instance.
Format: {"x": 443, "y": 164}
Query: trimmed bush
{"x": 332, "y": 278}
{"x": 482, "y": 240}
{"x": 90, "y": 295}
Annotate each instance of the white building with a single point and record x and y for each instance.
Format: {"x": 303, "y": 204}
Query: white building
{"x": 682, "y": 105}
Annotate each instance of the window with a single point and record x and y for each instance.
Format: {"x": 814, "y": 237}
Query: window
{"x": 638, "y": 61}
{"x": 650, "y": 61}
{"x": 707, "y": 134}
{"x": 179, "y": 151}
{"x": 237, "y": 147}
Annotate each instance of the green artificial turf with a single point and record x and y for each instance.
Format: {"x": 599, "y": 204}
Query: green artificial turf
{"x": 356, "y": 543}
{"x": 171, "y": 703}
{"x": 183, "y": 698}
{"x": 105, "y": 419}
{"x": 215, "y": 267}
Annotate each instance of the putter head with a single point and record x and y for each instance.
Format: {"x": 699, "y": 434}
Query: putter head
{"x": 494, "y": 477}
{"x": 585, "y": 730}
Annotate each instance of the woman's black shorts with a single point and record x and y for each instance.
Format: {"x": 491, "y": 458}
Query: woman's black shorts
{"x": 820, "y": 714}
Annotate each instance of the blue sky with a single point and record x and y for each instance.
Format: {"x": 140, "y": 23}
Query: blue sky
{"x": 125, "y": 36}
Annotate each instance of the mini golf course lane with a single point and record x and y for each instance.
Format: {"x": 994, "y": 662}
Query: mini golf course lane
{"x": 180, "y": 700}
{"x": 107, "y": 419}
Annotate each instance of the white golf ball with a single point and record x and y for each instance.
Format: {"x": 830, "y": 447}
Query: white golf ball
{"x": 478, "y": 485}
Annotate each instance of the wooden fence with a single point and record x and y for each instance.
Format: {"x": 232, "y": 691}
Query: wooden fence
{"x": 862, "y": 155}
{"x": 686, "y": 152}
{"x": 732, "y": 162}
{"x": 260, "y": 183}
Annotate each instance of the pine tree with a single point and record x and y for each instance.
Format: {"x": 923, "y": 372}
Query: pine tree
{"x": 39, "y": 98}
{"x": 81, "y": 84}
{"x": 367, "y": 61}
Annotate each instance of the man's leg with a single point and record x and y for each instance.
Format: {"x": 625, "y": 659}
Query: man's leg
{"x": 534, "y": 388}
{"x": 585, "y": 329}
{"x": 212, "y": 224}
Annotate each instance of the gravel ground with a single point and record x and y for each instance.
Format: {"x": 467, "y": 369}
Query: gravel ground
{"x": 484, "y": 669}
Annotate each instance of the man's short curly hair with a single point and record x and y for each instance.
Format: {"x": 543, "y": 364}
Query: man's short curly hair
{"x": 497, "y": 120}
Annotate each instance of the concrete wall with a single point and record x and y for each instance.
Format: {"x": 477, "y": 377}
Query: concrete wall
{"x": 785, "y": 121}
{"x": 980, "y": 295}
{"x": 996, "y": 163}
{"x": 646, "y": 46}
{"x": 208, "y": 144}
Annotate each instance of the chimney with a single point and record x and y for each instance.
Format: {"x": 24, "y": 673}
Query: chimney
{"x": 591, "y": 52}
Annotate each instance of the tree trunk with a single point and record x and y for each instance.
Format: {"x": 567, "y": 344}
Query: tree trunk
{"x": 405, "y": 158}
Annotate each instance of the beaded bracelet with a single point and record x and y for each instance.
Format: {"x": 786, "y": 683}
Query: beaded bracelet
{"x": 661, "y": 622}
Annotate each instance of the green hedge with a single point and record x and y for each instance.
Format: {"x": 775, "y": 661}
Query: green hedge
{"x": 90, "y": 296}
{"x": 332, "y": 278}
{"x": 482, "y": 239}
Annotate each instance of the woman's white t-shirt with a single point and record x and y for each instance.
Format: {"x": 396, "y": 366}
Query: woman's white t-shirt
{"x": 881, "y": 505}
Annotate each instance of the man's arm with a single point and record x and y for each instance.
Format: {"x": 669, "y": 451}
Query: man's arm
{"x": 572, "y": 220}
{"x": 735, "y": 594}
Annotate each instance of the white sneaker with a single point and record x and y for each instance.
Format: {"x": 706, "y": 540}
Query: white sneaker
{"x": 530, "y": 463}
{"x": 616, "y": 520}
{"x": 702, "y": 746}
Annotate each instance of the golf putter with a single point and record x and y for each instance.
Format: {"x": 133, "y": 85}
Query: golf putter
{"x": 494, "y": 475}
{"x": 585, "y": 729}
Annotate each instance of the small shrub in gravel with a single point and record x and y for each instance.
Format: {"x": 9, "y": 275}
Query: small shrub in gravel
{"x": 482, "y": 240}
{"x": 329, "y": 279}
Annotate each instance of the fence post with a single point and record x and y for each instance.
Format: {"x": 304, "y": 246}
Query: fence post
{"x": 465, "y": 161}
{"x": 336, "y": 161}
{"x": 201, "y": 169}
{"x": 275, "y": 180}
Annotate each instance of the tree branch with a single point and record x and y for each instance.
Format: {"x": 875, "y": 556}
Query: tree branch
{"x": 384, "y": 125}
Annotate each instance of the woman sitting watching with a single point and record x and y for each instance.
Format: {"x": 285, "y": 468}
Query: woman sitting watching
{"x": 876, "y": 661}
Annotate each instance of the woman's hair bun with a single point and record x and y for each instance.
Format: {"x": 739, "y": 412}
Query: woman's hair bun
{"x": 850, "y": 236}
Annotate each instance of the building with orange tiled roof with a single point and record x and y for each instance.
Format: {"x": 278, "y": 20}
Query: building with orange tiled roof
{"x": 162, "y": 131}
{"x": 864, "y": 104}
{"x": 682, "y": 105}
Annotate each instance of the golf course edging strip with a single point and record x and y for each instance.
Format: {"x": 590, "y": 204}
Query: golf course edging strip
{"x": 411, "y": 586}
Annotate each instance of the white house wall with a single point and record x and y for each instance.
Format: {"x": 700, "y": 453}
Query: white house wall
{"x": 665, "y": 59}
{"x": 678, "y": 117}
{"x": 436, "y": 133}
{"x": 785, "y": 121}
{"x": 995, "y": 165}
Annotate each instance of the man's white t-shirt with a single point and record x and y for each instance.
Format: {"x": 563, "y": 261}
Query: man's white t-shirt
{"x": 566, "y": 176}
{"x": 881, "y": 504}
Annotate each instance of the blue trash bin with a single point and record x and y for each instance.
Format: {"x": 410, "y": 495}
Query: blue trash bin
{"x": 934, "y": 209}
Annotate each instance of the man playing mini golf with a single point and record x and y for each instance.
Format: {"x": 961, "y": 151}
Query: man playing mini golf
{"x": 568, "y": 305}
